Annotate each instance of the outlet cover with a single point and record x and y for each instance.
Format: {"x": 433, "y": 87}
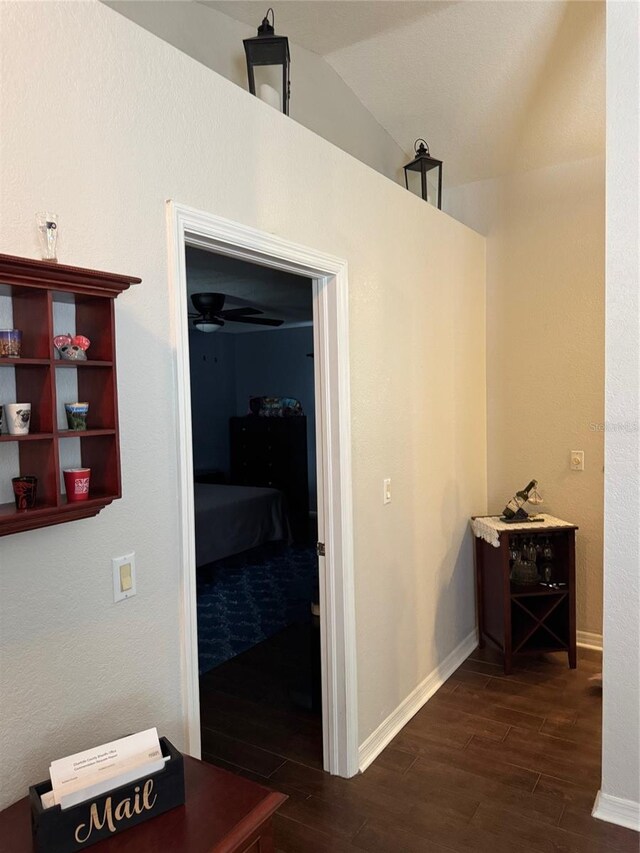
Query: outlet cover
{"x": 577, "y": 460}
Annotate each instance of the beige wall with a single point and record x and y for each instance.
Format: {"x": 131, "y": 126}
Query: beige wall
{"x": 320, "y": 99}
{"x": 545, "y": 346}
{"x": 102, "y": 122}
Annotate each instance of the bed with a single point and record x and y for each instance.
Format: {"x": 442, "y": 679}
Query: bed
{"x": 232, "y": 519}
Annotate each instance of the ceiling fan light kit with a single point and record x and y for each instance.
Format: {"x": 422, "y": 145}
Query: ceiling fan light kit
{"x": 210, "y": 315}
{"x": 421, "y": 165}
{"x": 208, "y": 325}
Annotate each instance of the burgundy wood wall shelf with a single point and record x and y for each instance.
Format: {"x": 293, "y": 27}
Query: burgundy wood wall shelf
{"x": 36, "y": 288}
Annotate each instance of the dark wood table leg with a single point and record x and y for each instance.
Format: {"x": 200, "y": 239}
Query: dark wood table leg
{"x": 507, "y": 636}
{"x": 267, "y": 843}
{"x": 571, "y": 579}
{"x": 477, "y": 561}
{"x": 507, "y": 662}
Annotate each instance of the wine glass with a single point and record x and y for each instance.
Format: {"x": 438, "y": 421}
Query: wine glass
{"x": 530, "y": 552}
{"x": 48, "y": 233}
{"x": 547, "y": 561}
{"x": 535, "y": 498}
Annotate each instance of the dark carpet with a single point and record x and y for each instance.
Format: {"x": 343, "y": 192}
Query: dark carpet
{"x": 247, "y": 598}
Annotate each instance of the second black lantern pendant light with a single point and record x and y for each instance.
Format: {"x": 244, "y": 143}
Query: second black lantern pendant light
{"x": 421, "y": 165}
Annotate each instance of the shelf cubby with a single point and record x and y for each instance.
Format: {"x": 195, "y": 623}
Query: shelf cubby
{"x": 45, "y": 299}
{"x": 99, "y": 451}
{"x": 537, "y": 617}
{"x": 95, "y": 387}
{"x": 32, "y": 315}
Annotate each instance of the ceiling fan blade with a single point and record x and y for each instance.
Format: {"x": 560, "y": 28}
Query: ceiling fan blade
{"x": 232, "y": 313}
{"x": 257, "y": 321}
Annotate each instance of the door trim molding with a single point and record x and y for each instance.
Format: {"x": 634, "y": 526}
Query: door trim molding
{"x": 186, "y": 225}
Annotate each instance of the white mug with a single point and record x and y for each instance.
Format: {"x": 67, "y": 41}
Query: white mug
{"x": 18, "y": 417}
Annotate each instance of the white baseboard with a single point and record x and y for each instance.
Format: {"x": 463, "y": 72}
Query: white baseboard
{"x": 389, "y": 728}
{"x": 615, "y": 810}
{"x": 588, "y": 640}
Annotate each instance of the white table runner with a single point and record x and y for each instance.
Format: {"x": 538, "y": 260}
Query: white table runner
{"x": 490, "y": 527}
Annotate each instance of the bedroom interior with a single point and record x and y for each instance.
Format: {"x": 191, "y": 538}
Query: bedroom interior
{"x": 253, "y": 438}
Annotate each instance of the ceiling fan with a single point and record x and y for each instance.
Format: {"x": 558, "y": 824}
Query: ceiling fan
{"x": 209, "y": 315}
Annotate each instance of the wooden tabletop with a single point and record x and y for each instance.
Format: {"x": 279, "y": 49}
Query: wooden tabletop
{"x": 221, "y": 810}
{"x": 529, "y": 526}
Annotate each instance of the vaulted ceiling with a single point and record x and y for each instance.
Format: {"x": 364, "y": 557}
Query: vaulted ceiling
{"x": 492, "y": 86}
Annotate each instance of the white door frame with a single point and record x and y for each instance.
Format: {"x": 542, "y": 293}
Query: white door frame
{"x": 333, "y": 430}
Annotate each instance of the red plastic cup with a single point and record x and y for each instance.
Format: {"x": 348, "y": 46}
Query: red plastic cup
{"x": 76, "y": 483}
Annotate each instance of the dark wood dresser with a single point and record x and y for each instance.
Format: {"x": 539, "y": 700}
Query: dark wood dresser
{"x": 273, "y": 452}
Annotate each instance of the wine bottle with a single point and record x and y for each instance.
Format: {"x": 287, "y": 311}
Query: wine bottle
{"x": 518, "y": 500}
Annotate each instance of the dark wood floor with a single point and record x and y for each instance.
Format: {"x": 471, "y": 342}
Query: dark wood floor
{"x": 490, "y": 763}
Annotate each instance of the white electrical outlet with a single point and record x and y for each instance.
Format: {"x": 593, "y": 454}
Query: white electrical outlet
{"x": 577, "y": 460}
{"x": 124, "y": 576}
{"x": 386, "y": 492}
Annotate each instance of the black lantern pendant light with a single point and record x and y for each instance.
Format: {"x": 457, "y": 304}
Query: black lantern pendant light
{"x": 270, "y": 54}
{"x": 422, "y": 164}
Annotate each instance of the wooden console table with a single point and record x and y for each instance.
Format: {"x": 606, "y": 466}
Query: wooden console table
{"x": 223, "y": 813}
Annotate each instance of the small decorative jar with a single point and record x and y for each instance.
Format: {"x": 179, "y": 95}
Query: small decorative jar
{"x": 10, "y": 343}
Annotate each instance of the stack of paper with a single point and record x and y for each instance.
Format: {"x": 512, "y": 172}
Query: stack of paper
{"x": 90, "y": 773}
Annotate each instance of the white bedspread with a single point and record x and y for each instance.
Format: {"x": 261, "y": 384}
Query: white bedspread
{"x": 232, "y": 519}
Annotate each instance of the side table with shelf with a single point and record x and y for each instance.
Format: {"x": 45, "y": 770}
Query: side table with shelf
{"x": 526, "y": 619}
{"x": 42, "y": 295}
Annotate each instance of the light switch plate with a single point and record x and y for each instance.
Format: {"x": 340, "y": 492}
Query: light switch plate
{"x": 124, "y": 576}
{"x": 386, "y": 493}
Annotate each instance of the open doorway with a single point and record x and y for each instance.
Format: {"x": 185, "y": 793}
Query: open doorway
{"x": 256, "y": 533}
{"x": 191, "y": 229}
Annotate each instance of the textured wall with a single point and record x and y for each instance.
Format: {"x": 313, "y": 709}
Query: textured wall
{"x": 102, "y": 123}
{"x": 621, "y": 712}
{"x": 545, "y": 347}
{"x": 320, "y": 99}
